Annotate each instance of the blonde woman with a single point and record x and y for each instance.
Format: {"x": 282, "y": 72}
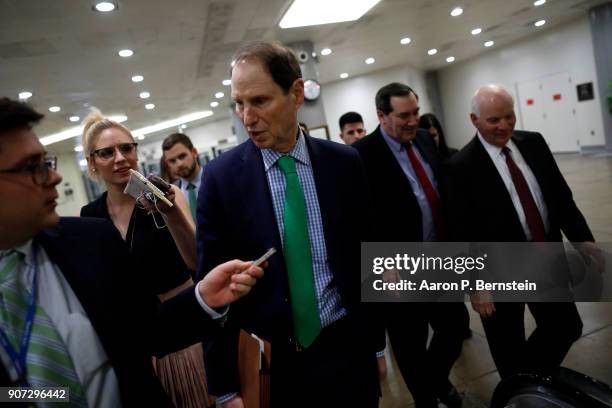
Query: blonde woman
{"x": 163, "y": 246}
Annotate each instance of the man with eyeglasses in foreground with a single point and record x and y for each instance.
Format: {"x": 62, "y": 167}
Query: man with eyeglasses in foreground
{"x": 72, "y": 312}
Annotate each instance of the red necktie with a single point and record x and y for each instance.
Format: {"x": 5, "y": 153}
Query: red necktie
{"x": 532, "y": 215}
{"x": 430, "y": 193}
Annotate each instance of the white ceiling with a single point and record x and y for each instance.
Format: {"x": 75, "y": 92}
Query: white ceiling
{"x": 66, "y": 54}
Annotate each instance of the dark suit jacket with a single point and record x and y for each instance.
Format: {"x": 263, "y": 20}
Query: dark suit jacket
{"x": 396, "y": 215}
{"x": 126, "y": 315}
{"x": 236, "y": 220}
{"x": 479, "y": 205}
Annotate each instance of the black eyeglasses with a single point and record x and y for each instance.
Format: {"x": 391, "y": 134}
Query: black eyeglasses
{"x": 39, "y": 170}
{"x": 107, "y": 153}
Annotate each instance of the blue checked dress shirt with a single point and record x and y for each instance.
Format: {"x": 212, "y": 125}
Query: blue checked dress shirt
{"x": 328, "y": 296}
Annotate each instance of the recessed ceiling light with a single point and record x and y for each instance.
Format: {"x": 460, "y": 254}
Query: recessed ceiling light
{"x": 150, "y": 106}
{"x": 79, "y": 148}
{"x": 54, "y": 109}
{"x": 489, "y": 43}
{"x": 214, "y": 104}
{"x": 219, "y": 95}
{"x": 450, "y": 59}
{"x": 137, "y": 78}
{"x": 303, "y": 13}
{"x": 74, "y": 118}
{"x": 227, "y": 82}
{"x": 326, "y": 51}
{"x": 476, "y": 31}
{"x": 344, "y": 75}
{"x": 457, "y": 11}
{"x": 140, "y": 137}
{"x": 105, "y": 6}
{"x": 23, "y": 95}
{"x": 539, "y": 2}
{"x": 183, "y": 126}
{"x": 83, "y": 162}
{"x": 370, "y": 61}
{"x": 405, "y": 40}
{"x": 539, "y": 23}
{"x": 433, "y": 51}
{"x": 145, "y": 95}
{"x": 125, "y": 53}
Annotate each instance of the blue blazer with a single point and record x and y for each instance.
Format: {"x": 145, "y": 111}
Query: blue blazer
{"x": 236, "y": 220}
{"x": 129, "y": 320}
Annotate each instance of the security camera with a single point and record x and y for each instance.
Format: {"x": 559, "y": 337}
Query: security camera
{"x": 302, "y": 57}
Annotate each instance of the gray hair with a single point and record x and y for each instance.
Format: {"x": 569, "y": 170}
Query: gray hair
{"x": 485, "y": 93}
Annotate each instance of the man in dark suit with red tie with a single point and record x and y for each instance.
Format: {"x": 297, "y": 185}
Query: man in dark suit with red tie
{"x": 504, "y": 186}
{"x": 402, "y": 169}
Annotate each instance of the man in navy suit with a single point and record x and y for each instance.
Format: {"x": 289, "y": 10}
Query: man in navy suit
{"x": 247, "y": 204}
{"x": 94, "y": 322}
{"x": 505, "y": 186}
{"x": 402, "y": 169}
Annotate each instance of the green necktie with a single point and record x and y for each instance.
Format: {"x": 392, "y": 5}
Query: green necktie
{"x": 48, "y": 363}
{"x": 193, "y": 202}
{"x": 306, "y": 320}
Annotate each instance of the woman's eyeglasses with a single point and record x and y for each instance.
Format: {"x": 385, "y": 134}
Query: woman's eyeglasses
{"x": 107, "y": 153}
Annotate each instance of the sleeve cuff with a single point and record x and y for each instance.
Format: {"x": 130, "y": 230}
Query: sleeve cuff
{"x": 380, "y": 353}
{"x": 227, "y": 397}
{"x": 222, "y": 314}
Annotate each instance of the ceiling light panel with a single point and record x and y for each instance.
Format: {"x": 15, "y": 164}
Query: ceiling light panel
{"x": 304, "y": 13}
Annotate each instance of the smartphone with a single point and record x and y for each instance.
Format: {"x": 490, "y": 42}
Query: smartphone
{"x": 160, "y": 183}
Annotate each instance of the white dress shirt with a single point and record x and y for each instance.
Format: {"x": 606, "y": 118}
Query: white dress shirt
{"x": 499, "y": 160}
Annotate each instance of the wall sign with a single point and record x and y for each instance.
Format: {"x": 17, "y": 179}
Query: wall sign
{"x": 585, "y": 91}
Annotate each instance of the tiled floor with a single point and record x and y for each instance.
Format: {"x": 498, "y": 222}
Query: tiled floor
{"x": 474, "y": 374}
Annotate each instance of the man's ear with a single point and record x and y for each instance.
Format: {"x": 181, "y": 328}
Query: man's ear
{"x": 297, "y": 89}
{"x": 473, "y": 118}
{"x": 194, "y": 151}
{"x": 381, "y": 116}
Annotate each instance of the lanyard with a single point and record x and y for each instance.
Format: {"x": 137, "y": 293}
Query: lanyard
{"x": 19, "y": 358}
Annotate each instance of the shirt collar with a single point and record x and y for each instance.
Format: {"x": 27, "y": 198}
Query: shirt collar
{"x": 495, "y": 151}
{"x": 299, "y": 153}
{"x": 196, "y": 180}
{"x": 25, "y": 249}
{"x": 393, "y": 144}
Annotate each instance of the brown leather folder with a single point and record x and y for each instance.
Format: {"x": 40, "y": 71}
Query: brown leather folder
{"x": 254, "y": 369}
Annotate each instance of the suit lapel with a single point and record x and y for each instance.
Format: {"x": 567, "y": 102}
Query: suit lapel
{"x": 257, "y": 203}
{"x": 484, "y": 168}
{"x": 531, "y": 158}
{"x": 77, "y": 262}
{"x": 389, "y": 165}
